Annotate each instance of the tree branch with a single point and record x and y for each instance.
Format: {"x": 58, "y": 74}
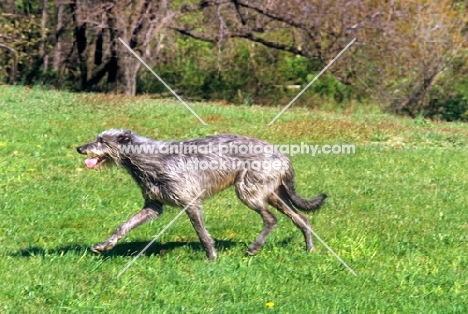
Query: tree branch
{"x": 277, "y": 17}
{"x": 241, "y": 34}
{"x": 139, "y": 24}
{"x": 99, "y": 73}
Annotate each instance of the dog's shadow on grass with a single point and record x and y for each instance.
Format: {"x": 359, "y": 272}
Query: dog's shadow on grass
{"x": 121, "y": 249}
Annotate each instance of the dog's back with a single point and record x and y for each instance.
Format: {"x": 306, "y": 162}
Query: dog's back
{"x": 212, "y": 163}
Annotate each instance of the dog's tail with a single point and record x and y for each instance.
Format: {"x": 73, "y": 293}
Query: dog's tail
{"x": 301, "y": 203}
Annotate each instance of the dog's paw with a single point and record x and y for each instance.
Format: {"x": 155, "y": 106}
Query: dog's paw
{"x": 95, "y": 249}
{"x": 212, "y": 257}
{"x": 253, "y": 249}
{"x": 250, "y": 252}
{"x": 99, "y": 248}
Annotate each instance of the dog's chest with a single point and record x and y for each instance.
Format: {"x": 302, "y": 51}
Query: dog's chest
{"x": 157, "y": 189}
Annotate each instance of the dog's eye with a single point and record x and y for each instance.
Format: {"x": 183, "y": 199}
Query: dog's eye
{"x": 99, "y": 139}
{"x": 123, "y": 138}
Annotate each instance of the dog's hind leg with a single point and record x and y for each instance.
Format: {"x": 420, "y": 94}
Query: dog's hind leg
{"x": 196, "y": 218}
{"x": 269, "y": 223}
{"x": 253, "y": 197}
{"x": 150, "y": 210}
{"x": 285, "y": 206}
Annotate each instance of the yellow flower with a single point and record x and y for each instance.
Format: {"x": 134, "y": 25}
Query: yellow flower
{"x": 2, "y": 144}
{"x": 270, "y": 304}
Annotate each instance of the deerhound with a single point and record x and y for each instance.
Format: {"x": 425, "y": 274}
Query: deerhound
{"x": 176, "y": 172}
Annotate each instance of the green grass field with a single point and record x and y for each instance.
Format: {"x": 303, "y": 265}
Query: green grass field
{"x": 397, "y": 214}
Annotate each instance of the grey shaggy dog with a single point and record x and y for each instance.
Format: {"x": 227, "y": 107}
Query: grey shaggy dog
{"x": 177, "y": 178}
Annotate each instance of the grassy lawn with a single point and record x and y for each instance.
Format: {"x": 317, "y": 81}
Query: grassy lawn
{"x": 396, "y": 214}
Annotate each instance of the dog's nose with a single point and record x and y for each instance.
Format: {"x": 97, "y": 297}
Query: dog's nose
{"x": 80, "y": 149}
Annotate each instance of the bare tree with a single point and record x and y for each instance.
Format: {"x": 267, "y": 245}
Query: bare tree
{"x": 98, "y": 28}
{"x": 394, "y": 57}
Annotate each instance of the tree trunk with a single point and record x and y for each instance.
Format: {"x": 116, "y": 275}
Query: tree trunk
{"x": 80, "y": 41}
{"x": 123, "y": 69}
{"x": 128, "y": 67}
{"x": 410, "y": 105}
{"x": 42, "y": 49}
{"x": 58, "y": 38}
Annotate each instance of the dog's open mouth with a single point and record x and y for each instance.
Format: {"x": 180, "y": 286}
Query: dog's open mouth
{"x": 95, "y": 161}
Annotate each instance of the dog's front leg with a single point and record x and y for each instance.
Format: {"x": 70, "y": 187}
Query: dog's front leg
{"x": 149, "y": 211}
{"x": 196, "y": 218}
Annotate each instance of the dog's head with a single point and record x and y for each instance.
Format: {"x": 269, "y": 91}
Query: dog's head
{"x": 106, "y": 148}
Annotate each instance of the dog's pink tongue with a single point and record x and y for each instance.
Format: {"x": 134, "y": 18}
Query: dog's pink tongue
{"x": 91, "y": 162}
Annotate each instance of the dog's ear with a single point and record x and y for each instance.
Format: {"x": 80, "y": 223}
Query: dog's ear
{"x": 124, "y": 138}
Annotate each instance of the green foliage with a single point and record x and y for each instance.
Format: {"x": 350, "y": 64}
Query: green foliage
{"x": 404, "y": 235}
{"x": 22, "y": 34}
{"x": 449, "y": 100}
{"x": 242, "y": 73}
{"x": 295, "y": 69}
{"x": 450, "y": 109}
{"x": 328, "y": 85}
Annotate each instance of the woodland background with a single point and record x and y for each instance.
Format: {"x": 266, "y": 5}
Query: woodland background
{"x": 409, "y": 57}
